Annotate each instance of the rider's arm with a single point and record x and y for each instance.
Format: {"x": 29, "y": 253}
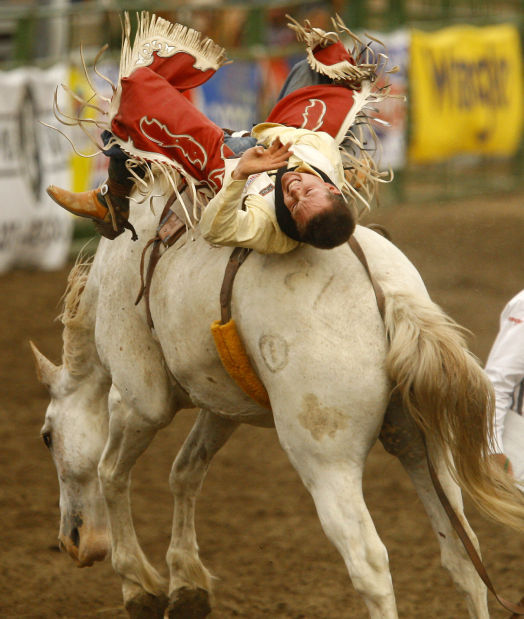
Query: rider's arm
{"x": 223, "y": 221}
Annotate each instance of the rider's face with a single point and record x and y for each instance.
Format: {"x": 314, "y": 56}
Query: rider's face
{"x": 305, "y": 195}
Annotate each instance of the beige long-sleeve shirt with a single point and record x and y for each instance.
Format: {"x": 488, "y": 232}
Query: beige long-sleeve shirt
{"x": 242, "y": 214}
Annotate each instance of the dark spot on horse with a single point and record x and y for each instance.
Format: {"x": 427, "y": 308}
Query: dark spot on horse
{"x": 442, "y": 534}
{"x": 211, "y": 379}
{"x": 321, "y": 420}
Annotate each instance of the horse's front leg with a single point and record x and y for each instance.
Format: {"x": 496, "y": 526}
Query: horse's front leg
{"x": 130, "y": 432}
{"x": 190, "y": 582}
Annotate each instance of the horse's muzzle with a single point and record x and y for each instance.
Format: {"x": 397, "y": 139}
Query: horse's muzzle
{"x": 85, "y": 548}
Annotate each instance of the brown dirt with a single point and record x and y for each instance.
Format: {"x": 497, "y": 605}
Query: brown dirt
{"x": 257, "y": 526}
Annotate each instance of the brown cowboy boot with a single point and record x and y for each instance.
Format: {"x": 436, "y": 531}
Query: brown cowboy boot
{"x": 84, "y": 204}
{"x": 107, "y": 206}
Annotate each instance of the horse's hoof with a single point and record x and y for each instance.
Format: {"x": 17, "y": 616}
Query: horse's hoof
{"x": 147, "y": 606}
{"x": 185, "y": 603}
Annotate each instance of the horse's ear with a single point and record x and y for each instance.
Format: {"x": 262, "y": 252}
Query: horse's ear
{"x": 46, "y": 370}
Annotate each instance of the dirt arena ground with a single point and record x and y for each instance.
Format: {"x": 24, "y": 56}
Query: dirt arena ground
{"x": 257, "y": 527}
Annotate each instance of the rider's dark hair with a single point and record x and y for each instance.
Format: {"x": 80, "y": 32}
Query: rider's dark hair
{"x": 331, "y": 227}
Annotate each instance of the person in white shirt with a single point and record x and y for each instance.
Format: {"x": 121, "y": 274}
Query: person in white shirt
{"x": 505, "y": 369}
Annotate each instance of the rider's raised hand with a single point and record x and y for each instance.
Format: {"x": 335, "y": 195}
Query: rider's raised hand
{"x": 259, "y": 159}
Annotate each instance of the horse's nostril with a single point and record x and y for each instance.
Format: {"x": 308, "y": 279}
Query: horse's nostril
{"x": 75, "y": 537}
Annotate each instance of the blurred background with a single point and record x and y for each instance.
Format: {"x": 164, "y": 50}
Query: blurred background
{"x": 458, "y": 134}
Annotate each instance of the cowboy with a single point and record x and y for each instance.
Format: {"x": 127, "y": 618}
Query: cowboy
{"x": 292, "y": 185}
{"x": 286, "y": 198}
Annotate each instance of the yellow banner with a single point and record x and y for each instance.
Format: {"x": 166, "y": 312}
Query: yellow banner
{"x": 466, "y": 92}
{"x": 81, "y": 166}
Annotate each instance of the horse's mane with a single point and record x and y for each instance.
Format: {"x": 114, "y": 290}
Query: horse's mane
{"x": 78, "y": 344}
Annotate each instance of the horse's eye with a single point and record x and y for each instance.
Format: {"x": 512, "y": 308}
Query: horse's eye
{"x": 46, "y": 437}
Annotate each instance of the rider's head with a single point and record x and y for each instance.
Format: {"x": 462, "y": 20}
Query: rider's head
{"x": 318, "y": 211}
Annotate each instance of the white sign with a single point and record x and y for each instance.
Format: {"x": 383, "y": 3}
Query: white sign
{"x": 34, "y": 231}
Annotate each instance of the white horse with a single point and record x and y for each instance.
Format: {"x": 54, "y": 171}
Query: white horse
{"x": 310, "y": 325}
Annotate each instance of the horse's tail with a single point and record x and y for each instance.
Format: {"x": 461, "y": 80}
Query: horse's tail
{"x": 444, "y": 389}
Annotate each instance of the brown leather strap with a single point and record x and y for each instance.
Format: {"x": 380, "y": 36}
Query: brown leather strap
{"x": 142, "y": 281}
{"x": 379, "y": 293}
{"x": 154, "y": 257}
{"x": 518, "y": 610}
{"x": 170, "y": 228}
{"x": 380, "y": 230}
{"x": 167, "y": 233}
{"x": 517, "y": 615}
{"x": 238, "y": 255}
{"x": 167, "y": 206}
{"x": 112, "y": 211}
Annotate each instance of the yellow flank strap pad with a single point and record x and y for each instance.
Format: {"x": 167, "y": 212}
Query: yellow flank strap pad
{"x": 236, "y": 363}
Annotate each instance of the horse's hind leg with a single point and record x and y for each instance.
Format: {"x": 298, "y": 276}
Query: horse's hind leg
{"x": 190, "y": 582}
{"x": 337, "y": 492}
{"x": 331, "y": 466}
{"x": 453, "y": 555}
{"x": 402, "y": 439}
